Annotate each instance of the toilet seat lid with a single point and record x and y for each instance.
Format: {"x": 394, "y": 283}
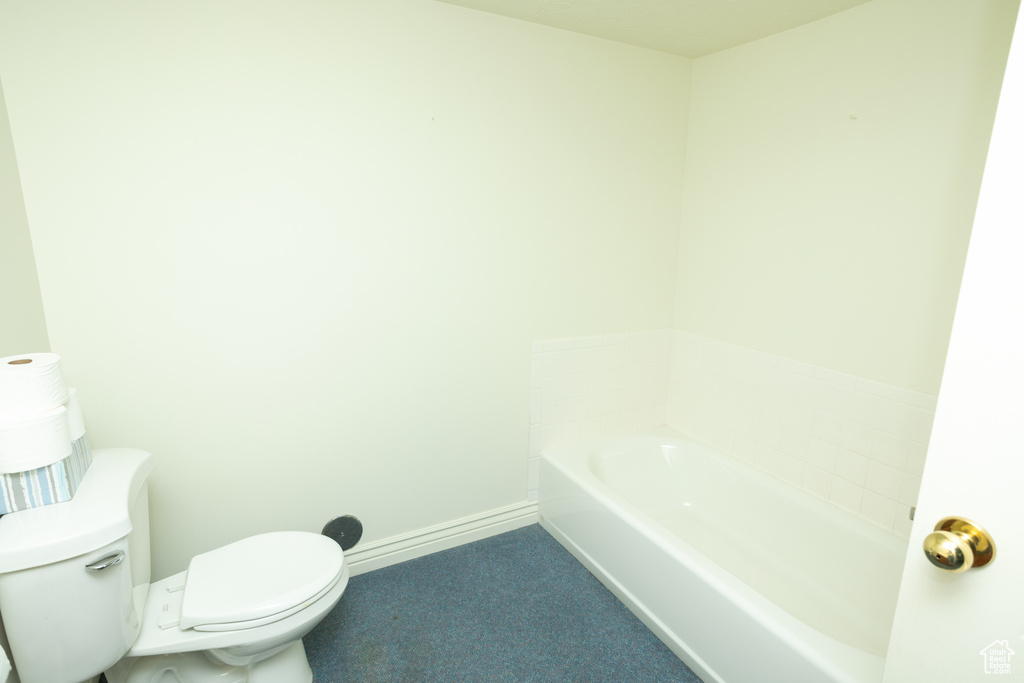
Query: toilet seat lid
{"x": 258, "y": 577}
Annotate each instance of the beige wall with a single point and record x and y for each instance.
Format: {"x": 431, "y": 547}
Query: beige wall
{"x": 22, "y": 325}
{"x": 300, "y": 250}
{"x": 831, "y": 177}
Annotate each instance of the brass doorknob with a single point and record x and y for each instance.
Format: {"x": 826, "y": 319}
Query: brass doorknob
{"x": 958, "y": 544}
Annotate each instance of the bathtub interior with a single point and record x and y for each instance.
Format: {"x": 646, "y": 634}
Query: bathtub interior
{"x": 823, "y": 566}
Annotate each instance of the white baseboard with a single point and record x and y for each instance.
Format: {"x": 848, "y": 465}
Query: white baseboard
{"x": 395, "y": 549}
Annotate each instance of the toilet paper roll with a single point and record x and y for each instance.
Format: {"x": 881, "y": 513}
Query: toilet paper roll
{"x": 80, "y": 450}
{"x": 33, "y": 442}
{"x": 76, "y": 423}
{"x": 31, "y": 384}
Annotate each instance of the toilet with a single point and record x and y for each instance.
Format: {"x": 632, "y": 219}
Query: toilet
{"x": 76, "y": 596}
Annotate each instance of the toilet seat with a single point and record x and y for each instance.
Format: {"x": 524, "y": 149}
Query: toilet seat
{"x": 161, "y": 633}
{"x": 269, "y": 619}
{"x": 258, "y": 580}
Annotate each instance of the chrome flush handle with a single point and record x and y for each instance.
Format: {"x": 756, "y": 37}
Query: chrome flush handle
{"x": 106, "y": 562}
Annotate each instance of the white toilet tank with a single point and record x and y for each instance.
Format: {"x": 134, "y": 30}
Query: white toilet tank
{"x": 74, "y": 576}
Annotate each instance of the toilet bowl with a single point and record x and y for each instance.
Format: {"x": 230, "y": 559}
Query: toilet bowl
{"x": 76, "y": 597}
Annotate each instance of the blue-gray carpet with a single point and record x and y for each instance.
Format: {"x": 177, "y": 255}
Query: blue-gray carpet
{"x": 513, "y": 607}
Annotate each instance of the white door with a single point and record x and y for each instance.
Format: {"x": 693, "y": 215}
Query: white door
{"x": 970, "y": 626}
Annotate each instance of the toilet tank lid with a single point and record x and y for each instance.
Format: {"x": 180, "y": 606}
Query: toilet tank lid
{"x": 98, "y": 514}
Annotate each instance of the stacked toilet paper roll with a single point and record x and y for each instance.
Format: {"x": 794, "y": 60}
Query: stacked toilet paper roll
{"x": 31, "y": 384}
{"x": 44, "y": 451}
{"x": 31, "y": 442}
{"x": 34, "y": 400}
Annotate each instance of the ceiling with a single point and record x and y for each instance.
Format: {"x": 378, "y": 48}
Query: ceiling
{"x": 691, "y": 28}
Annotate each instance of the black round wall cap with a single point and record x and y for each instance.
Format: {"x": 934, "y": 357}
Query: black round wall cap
{"x": 345, "y": 530}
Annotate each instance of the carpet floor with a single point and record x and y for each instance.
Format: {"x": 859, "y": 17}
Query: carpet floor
{"x": 514, "y": 607}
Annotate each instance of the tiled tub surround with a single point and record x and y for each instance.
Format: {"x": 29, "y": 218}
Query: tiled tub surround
{"x": 856, "y": 443}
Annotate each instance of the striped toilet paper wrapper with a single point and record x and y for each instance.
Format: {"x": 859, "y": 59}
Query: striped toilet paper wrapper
{"x": 54, "y": 483}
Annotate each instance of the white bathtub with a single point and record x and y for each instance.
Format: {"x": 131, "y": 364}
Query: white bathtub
{"x": 745, "y": 578}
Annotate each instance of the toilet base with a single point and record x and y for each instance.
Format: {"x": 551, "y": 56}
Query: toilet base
{"x": 288, "y": 666}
